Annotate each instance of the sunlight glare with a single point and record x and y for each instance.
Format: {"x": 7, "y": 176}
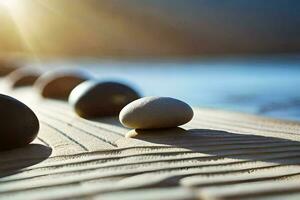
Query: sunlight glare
{"x": 10, "y": 4}
{"x": 18, "y": 10}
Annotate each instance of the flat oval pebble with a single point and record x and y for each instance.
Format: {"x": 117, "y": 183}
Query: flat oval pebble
{"x": 23, "y": 77}
{"x": 155, "y": 112}
{"x": 100, "y": 99}
{"x": 59, "y": 84}
{"x": 19, "y": 124}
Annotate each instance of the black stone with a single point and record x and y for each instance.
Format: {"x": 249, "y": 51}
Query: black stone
{"x": 100, "y": 99}
{"x": 19, "y": 125}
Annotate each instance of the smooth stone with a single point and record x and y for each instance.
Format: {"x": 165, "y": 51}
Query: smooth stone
{"x": 99, "y": 99}
{"x": 7, "y": 67}
{"x": 23, "y": 77}
{"x": 155, "y": 112}
{"x": 59, "y": 84}
{"x": 19, "y": 124}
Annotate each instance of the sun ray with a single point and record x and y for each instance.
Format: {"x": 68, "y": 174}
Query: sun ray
{"x": 16, "y": 12}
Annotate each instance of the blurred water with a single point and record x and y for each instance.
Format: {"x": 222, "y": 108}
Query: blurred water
{"x": 266, "y": 86}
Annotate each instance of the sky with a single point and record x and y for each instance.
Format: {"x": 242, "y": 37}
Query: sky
{"x": 155, "y": 28}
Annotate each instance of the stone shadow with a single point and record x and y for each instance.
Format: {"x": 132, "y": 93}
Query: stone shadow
{"x": 225, "y": 144}
{"x": 12, "y": 161}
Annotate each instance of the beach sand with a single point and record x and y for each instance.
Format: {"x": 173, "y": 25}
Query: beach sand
{"x": 218, "y": 155}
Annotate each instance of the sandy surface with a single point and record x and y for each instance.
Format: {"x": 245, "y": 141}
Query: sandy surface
{"x": 218, "y": 155}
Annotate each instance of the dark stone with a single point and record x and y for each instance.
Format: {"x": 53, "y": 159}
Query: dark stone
{"x": 19, "y": 124}
{"x": 23, "y": 77}
{"x": 7, "y": 67}
{"x": 99, "y": 99}
{"x": 59, "y": 84}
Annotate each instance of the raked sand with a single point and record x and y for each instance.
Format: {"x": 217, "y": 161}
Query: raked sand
{"x": 218, "y": 155}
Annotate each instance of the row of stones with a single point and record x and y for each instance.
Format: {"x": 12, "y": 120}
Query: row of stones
{"x": 90, "y": 98}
